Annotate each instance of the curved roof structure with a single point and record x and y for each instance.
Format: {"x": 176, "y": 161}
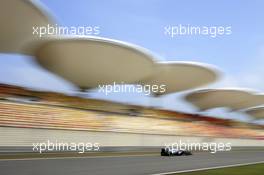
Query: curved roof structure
{"x": 17, "y": 19}
{"x": 214, "y": 98}
{"x": 179, "y": 76}
{"x": 257, "y": 113}
{"x": 255, "y": 100}
{"x": 91, "y": 61}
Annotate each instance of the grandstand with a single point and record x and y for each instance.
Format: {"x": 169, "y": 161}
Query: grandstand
{"x": 24, "y": 108}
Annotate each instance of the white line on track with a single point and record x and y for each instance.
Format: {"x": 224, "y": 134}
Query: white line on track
{"x": 84, "y": 157}
{"x": 208, "y": 168}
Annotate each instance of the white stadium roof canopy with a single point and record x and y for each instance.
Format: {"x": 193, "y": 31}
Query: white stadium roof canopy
{"x": 91, "y": 61}
{"x": 256, "y": 100}
{"x": 17, "y": 19}
{"x": 179, "y": 76}
{"x": 257, "y": 113}
{"x": 214, "y": 98}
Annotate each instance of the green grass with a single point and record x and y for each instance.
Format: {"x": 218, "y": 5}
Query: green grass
{"x": 256, "y": 169}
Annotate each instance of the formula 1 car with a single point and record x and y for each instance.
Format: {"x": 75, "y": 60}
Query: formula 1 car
{"x": 174, "y": 152}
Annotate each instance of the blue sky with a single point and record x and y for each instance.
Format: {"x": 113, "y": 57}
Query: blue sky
{"x": 240, "y": 56}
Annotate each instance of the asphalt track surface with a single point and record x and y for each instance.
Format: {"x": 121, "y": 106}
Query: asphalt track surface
{"x": 120, "y": 165}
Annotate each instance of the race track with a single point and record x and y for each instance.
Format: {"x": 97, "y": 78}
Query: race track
{"x": 129, "y": 165}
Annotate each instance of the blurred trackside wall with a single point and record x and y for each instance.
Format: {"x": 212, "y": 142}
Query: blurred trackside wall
{"x": 25, "y": 137}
